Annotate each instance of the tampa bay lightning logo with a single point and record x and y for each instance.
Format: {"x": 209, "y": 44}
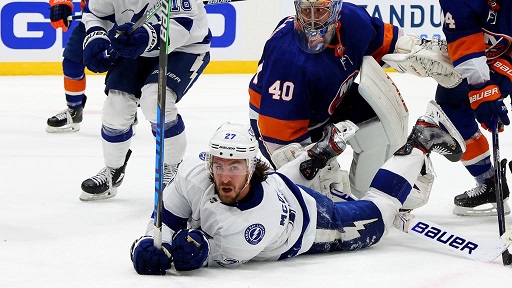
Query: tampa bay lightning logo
{"x": 254, "y": 233}
{"x": 202, "y": 156}
{"x": 251, "y": 132}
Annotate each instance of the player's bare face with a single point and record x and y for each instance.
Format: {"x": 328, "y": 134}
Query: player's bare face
{"x": 230, "y": 176}
{"x": 314, "y": 16}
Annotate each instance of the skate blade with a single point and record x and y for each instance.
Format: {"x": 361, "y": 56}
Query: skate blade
{"x": 488, "y": 209}
{"x": 94, "y": 197}
{"x": 64, "y": 129}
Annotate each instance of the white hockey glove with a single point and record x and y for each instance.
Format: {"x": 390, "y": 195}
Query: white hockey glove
{"x": 333, "y": 143}
{"x": 333, "y": 182}
{"x": 424, "y": 58}
{"x": 286, "y": 154}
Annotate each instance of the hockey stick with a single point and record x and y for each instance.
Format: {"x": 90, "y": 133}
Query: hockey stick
{"x": 160, "y": 124}
{"x": 452, "y": 241}
{"x": 446, "y": 239}
{"x": 499, "y": 168}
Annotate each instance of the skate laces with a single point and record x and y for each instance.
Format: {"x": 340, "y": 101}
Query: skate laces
{"x": 169, "y": 173}
{"x": 63, "y": 115}
{"x": 101, "y": 178}
{"x": 478, "y": 190}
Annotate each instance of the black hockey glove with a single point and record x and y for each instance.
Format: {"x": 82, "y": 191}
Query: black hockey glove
{"x": 147, "y": 259}
{"x": 96, "y": 50}
{"x": 59, "y": 13}
{"x": 134, "y": 44}
{"x": 189, "y": 249}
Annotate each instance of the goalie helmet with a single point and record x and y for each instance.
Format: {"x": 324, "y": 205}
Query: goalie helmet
{"x": 315, "y": 23}
{"x": 233, "y": 141}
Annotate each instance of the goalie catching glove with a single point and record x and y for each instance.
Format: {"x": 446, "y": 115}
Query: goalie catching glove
{"x": 333, "y": 143}
{"x": 424, "y": 58}
{"x": 188, "y": 251}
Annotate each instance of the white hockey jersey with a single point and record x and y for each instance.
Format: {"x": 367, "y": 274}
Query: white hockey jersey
{"x": 188, "y": 26}
{"x": 276, "y": 221}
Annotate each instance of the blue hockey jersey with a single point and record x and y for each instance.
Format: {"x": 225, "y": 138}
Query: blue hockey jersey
{"x": 294, "y": 91}
{"x": 475, "y": 34}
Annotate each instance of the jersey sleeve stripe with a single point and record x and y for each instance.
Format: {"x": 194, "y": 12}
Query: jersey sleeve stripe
{"x": 284, "y": 130}
{"x": 254, "y": 99}
{"x": 471, "y": 44}
{"x": 389, "y": 38}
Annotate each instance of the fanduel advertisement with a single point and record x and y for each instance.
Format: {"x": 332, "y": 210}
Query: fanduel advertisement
{"x": 239, "y": 29}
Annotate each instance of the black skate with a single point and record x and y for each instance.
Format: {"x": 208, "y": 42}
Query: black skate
{"x": 66, "y": 121}
{"x": 104, "y": 184}
{"x": 481, "y": 200}
{"x": 427, "y": 135}
{"x": 333, "y": 143}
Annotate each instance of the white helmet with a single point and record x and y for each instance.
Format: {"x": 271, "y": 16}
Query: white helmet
{"x": 234, "y": 141}
{"x": 315, "y": 23}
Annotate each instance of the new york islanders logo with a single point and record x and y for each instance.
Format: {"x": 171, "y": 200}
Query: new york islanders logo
{"x": 496, "y": 44}
{"x": 254, "y": 233}
{"x": 342, "y": 91}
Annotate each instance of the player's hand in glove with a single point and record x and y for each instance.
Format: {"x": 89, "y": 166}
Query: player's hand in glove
{"x": 134, "y": 44}
{"x": 487, "y": 102}
{"x": 147, "y": 259}
{"x": 189, "y": 249}
{"x": 96, "y": 45}
{"x": 60, "y": 10}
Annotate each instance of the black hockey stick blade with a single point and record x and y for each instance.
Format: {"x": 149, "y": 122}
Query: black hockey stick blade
{"x": 500, "y": 167}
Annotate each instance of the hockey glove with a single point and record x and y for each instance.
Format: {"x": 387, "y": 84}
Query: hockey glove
{"x": 147, "y": 259}
{"x": 134, "y": 44}
{"x": 503, "y": 66}
{"x": 96, "y": 44}
{"x": 333, "y": 142}
{"x": 487, "y": 102}
{"x": 189, "y": 249}
{"x": 60, "y": 10}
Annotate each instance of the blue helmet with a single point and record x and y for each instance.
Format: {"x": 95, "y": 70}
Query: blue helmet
{"x": 315, "y": 23}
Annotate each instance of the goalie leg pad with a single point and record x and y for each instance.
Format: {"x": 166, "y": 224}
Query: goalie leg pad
{"x": 391, "y": 127}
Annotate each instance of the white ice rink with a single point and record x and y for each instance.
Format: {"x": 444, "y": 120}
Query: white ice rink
{"x": 48, "y": 238}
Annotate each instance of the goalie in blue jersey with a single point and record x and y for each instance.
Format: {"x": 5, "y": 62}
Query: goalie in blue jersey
{"x": 305, "y": 80}
{"x": 226, "y": 206}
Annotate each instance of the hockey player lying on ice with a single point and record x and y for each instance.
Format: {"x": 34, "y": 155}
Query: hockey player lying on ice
{"x": 226, "y": 207}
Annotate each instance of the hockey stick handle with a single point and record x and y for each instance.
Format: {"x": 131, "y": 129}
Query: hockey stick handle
{"x": 500, "y": 210}
{"x": 497, "y": 167}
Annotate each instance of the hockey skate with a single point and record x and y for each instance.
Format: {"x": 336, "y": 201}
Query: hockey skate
{"x": 481, "y": 200}
{"x": 427, "y": 135}
{"x": 65, "y": 121}
{"x": 435, "y": 132}
{"x": 170, "y": 171}
{"x": 333, "y": 143}
{"x": 104, "y": 184}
